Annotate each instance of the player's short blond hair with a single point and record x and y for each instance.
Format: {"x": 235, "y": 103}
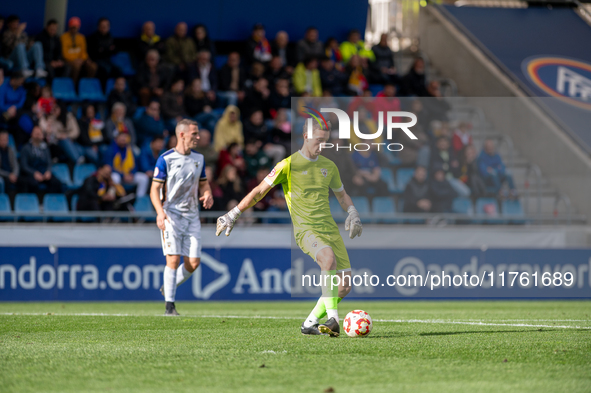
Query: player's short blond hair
{"x": 184, "y": 125}
{"x": 316, "y": 126}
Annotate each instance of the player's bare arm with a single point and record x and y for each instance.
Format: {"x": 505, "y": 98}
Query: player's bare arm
{"x": 155, "y": 193}
{"x": 205, "y": 194}
{"x": 227, "y": 220}
{"x": 353, "y": 222}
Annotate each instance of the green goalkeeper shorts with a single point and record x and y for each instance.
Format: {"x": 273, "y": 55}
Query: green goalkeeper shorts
{"x": 311, "y": 243}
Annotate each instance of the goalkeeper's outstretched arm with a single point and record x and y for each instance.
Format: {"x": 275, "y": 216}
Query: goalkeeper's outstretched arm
{"x": 227, "y": 220}
{"x": 353, "y": 222}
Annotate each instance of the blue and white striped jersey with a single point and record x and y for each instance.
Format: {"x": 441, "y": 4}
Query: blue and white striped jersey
{"x": 181, "y": 175}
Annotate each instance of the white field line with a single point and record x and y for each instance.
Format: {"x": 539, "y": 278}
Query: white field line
{"x": 426, "y": 321}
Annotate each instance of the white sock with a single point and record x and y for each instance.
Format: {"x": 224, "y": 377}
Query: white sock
{"x": 333, "y": 314}
{"x": 169, "y": 284}
{"x": 311, "y": 320}
{"x": 182, "y": 274}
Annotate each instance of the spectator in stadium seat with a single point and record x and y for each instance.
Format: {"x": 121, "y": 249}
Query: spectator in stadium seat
{"x": 150, "y": 124}
{"x": 280, "y": 47}
{"x": 279, "y": 96}
{"x": 75, "y": 53}
{"x": 231, "y": 186}
{"x": 149, "y": 155}
{"x": 202, "y": 40}
{"x": 461, "y": 138}
{"x": 331, "y": 78}
{"x": 442, "y": 156}
{"x": 149, "y": 40}
{"x": 125, "y": 171}
{"x": 413, "y": 83}
{"x": 231, "y": 78}
{"x": 21, "y": 55}
{"x": 333, "y": 52}
{"x": 356, "y": 78}
{"x": 435, "y": 105}
{"x": 441, "y": 192}
{"x": 257, "y": 98}
{"x": 120, "y": 93}
{"x": 180, "y": 49}
{"x": 228, "y": 129}
{"x": 203, "y": 69}
{"x": 173, "y": 104}
{"x": 263, "y": 204}
{"x": 99, "y": 192}
{"x": 255, "y": 158}
{"x": 101, "y": 46}
{"x": 205, "y": 147}
{"x": 275, "y": 70}
{"x": 255, "y": 127}
{"x": 152, "y": 78}
{"x": 12, "y": 97}
{"x": 198, "y": 106}
{"x": 493, "y": 171}
{"x": 92, "y": 130}
{"x": 9, "y": 169}
{"x": 382, "y": 70}
{"x": 416, "y": 195}
{"x": 309, "y": 46}
{"x": 257, "y": 71}
{"x": 118, "y": 123}
{"x": 52, "y": 50}
{"x": 355, "y": 46}
{"x": 367, "y": 178}
{"x": 387, "y": 102}
{"x": 257, "y": 46}
{"x": 413, "y": 148}
{"x": 281, "y": 131}
{"x": 35, "y": 166}
{"x": 470, "y": 174}
{"x": 232, "y": 155}
{"x": 306, "y": 78}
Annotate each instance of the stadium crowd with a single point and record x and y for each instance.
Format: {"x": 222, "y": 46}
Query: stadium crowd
{"x": 242, "y": 107}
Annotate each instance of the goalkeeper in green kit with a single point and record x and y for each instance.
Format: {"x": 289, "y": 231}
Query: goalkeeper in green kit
{"x": 306, "y": 177}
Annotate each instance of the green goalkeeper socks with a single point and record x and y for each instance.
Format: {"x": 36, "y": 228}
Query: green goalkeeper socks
{"x": 320, "y": 310}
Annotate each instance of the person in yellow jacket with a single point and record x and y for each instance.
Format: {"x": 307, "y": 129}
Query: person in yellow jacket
{"x": 74, "y": 51}
{"x": 355, "y": 46}
{"x": 306, "y": 78}
{"x": 228, "y": 129}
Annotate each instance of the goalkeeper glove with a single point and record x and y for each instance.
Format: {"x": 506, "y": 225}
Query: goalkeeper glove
{"x": 227, "y": 221}
{"x": 353, "y": 223}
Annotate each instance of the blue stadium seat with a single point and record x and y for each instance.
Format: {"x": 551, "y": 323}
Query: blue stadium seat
{"x": 381, "y": 205}
{"x": 1, "y": 185}
{"x": 220, "y": 61}
{"x": 81, "y": 172}
{"x": 122, "y": 61}
{"x": 490, "y": 208}
{"x": 56, "y": 203}
{"x": 5, "y": 207}
{"x": 403, "y": 176}
{"x": 11, "y": 142}
{"x": 109, "y": 86}
{"x": 388, "y": 177}
{"x": 62, "y": 173}
{"x": 463, "y": 206}
{"x": 514, "y": 210}
{"x": 63, "y": 89}
{"x": 89, "y": 89}
{"x": 407, "y": 220}
{"x": 361, "y": 204}
{"x": 375, "y": 89}
{"x": 144, "y": 204}
{"x": 27, "y": 203}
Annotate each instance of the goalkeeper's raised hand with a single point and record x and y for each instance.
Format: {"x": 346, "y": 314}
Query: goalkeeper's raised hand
{"x": 227, "y": 221}
{"x": 353, "y": 223}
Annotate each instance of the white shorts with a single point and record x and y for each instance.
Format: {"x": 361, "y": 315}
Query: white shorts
{"x": 181, "y": 236}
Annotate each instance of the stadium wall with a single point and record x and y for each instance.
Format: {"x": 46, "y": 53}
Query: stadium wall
{"x": 564, "y": 162}
{"x": 121, "y": 263}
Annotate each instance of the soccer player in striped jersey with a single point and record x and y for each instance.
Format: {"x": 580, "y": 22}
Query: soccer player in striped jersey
{"x": 306, "y": 177}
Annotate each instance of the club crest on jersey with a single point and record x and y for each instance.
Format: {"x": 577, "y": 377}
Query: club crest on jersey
{"x": 324, "y": 172}
{"x": 315, "y": 244}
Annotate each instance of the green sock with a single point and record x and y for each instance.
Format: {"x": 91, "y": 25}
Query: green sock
{"x": 319, "y": 310}
{"x": 330, "y": 292}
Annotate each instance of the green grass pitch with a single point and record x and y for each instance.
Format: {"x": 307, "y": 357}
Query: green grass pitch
{"x": 462, "y": 346}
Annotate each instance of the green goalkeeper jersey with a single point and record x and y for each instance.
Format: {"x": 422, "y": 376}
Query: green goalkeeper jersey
{"x": 305, "y": 183}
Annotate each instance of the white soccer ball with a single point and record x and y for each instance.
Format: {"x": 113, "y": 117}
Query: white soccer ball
{"x": 357, "y": 324}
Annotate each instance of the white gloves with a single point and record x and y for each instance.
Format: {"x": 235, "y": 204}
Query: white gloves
{"x": 227, "y": 221}
{"x": 353, "y": 223}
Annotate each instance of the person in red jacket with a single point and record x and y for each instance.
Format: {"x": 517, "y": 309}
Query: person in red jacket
{"x": 462, "y": 137}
